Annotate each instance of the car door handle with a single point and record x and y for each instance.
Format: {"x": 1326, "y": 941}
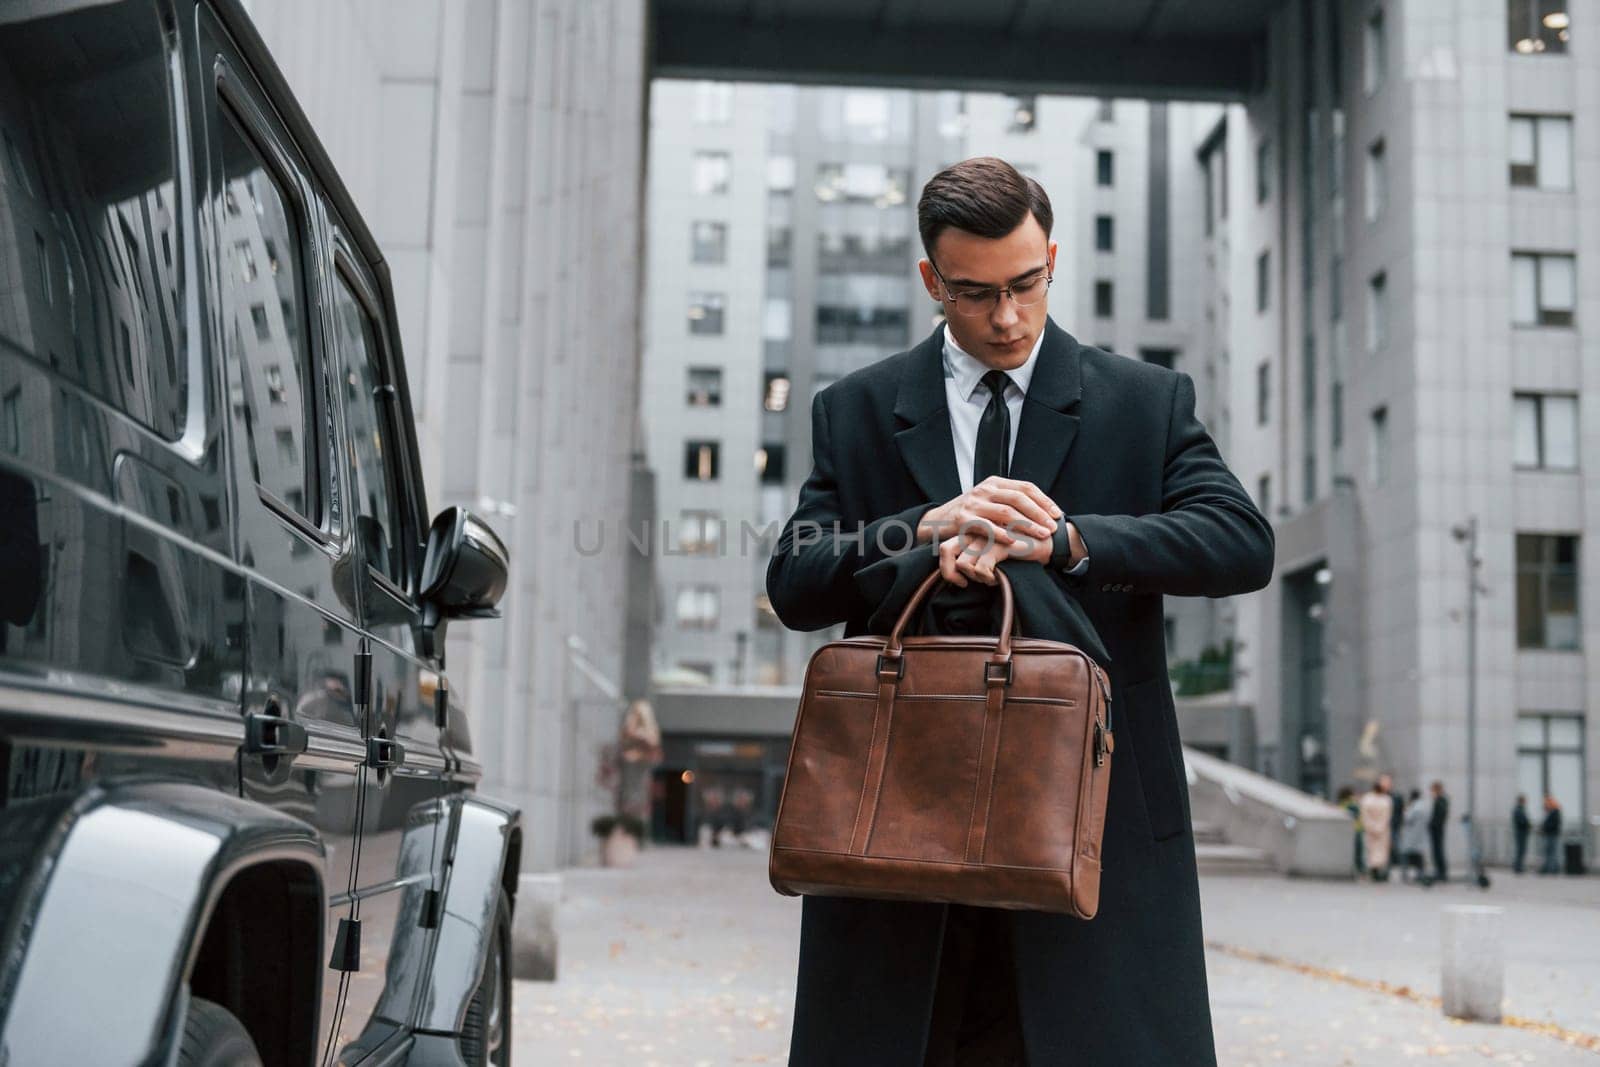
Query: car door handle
{"x": 384, "y": 754}
{"x": 273, "y": 735}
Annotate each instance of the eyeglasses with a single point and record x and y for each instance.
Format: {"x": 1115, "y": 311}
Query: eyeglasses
{"x": 1025, "y": 292}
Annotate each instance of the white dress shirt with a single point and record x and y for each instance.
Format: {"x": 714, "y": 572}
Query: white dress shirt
{"x": 966, "y": 396}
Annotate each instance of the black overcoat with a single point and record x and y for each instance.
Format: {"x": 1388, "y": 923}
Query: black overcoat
{"x": 1116, "y": 444}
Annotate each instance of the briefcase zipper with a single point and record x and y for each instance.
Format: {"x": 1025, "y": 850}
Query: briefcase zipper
{"x": 1102, "y": 740}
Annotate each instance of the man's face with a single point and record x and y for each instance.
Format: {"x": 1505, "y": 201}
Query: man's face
{"x": 1002, "y": 336}
{"x": 1385, "y": 782}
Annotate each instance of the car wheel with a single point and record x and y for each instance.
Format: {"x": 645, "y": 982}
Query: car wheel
{"x": 214, "y": 1037}
{"x": 486, "y": 1031}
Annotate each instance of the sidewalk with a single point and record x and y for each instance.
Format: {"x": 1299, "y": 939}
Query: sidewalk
{"x": 688, "y": 959}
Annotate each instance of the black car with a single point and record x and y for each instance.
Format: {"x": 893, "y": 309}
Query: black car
{"x": 238, "y": 817}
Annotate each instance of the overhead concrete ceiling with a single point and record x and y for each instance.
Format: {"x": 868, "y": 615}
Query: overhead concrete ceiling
{"x": 1166, "y": 49}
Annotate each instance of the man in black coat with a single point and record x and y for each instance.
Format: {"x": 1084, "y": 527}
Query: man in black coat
{"x": 1550, "y": 836}
{"x": 1438, "y": 819}
{"x": 1088, "y": 477}
{"x": 1521, "y": 826}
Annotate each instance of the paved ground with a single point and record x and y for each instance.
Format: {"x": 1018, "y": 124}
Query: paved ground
{"x": 688, "y": 959}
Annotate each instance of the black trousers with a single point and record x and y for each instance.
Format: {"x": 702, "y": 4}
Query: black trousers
{"x": 1436, "y": 839}
{"x": 975, "y": 1021}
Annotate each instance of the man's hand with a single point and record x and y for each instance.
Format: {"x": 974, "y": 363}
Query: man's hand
{"x": 972, "y": 556}
{"x": 1004, "y": 508}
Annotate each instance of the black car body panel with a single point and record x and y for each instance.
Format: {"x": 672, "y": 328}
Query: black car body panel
{"x": 212, "y": 525}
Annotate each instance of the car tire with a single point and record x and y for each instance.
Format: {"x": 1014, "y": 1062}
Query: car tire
{"x": 486, "y": 1030}
{"x": 214, "y": 1037}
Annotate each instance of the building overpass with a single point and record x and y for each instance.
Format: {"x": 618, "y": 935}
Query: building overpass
{"x": 1161, "y": 49}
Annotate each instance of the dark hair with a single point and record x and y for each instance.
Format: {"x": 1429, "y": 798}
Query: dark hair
{"x": 984, "y": 196}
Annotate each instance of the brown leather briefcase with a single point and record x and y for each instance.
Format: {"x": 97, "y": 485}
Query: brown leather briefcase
{"x": 963, "y": 769}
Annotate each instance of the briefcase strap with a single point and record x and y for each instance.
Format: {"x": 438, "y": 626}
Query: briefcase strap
{"x": 891, "y": 648}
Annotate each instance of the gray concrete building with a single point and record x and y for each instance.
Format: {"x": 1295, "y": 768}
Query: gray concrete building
{"x": 1401, "y": 296}
{"x": 495, "y": 148}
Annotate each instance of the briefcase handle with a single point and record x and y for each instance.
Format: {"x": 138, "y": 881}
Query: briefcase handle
{"x": 1002, "y": 650}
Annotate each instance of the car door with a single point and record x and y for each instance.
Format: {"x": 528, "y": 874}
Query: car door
{"x": 302, "y": 697}
{"x": 400, "y": 840}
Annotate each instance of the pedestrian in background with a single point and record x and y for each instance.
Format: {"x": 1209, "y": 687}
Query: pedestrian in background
{"x": 1521, "y": 826}
{"x": 1397, "y": 821}
{"x": 1550, "y": 835}
{"x": 1438, "y": 819}
{"x": 1377, "y": 820}
{"x": 1414, "y": 840}
{"x": 1347, "y": 800}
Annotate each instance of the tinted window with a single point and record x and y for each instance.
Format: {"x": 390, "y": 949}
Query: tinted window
{"x": 90, "y": 249}
{"x": 367, "y": 400}
{"x": 264, "y": 313}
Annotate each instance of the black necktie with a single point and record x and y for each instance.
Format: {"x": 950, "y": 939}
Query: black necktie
{"x": 993, "y": 452}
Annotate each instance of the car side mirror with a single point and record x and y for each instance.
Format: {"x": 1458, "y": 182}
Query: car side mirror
{"x": 464, "y": 572}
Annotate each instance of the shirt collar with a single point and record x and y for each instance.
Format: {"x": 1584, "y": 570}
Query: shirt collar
{"x": 968, "y": 370}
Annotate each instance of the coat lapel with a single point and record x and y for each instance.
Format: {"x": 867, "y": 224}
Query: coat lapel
{"x": 1046, "y": 432}
{"x": 925, "y": 444}
{"x": 1044, "y": 436}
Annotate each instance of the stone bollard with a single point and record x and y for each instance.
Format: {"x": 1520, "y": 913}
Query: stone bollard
{"x": 533, "y": 927}
{"x": 1473, "y": 962}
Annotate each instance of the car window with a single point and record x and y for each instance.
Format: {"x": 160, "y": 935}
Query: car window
{"x": 265, "y": 316}
{"x": 90, "y": 238}
{"x": 367, "y": 401}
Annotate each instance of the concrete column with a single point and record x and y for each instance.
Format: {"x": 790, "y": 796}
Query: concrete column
{"x": 533, "y": 927}
{"x": 1473, "y": 962}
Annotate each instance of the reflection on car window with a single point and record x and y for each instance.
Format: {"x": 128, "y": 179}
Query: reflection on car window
{"x": 371, "y": 454}
{"x": 265, "y": 317}
{"x": 90, "y": 253}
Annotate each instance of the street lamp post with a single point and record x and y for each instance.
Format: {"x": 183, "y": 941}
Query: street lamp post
{"x": 1467, "y": 534}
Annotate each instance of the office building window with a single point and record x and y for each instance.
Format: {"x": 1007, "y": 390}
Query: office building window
{"x": 1534, "y": 27}
{"x": 862, "y": 325}
{"x": 1104, "y": 299}
{"x": 780, "y": 174}
{"x": 1263, "y": 170}
{"x": 775, "y": 392}
{"x": 1378, "y": 459}
{"x": 698, "y": 607}
{"x": 769, "y": 463}
{"x": 705, "y": 313}
{"x": 1377, "y": 179}
{"x": 1336, "y": 414}
{"x": 1104, "y": 233}
{"x": 711, "y": 172}
{"x": 708, "y": 242}
{"x": 777, "y": 319}
{"x": 1550, "y": 762}
{"x": 1546, "y": 431}
{"x": 1263, "y": 392}
{"x": 1543, "y": 289}
{"x": 1541, "y": 151}
{"x": 1375, "y": 48}
{"x": 1377, "y": 312}
{"x": 1161, "y": 357}
{"x": 700, "y": 460}
{"x": 705, "y": 387}
{"x": 1264, "y": 494}
{"x": 1104, "y": 167}
{"x": 862, "y": 183}
{"x": 1547, "y": 591}
{"x": 1024, "y": 113}
{"x": 1263, "y": 280}
{"x": 700, "y": 533}
{"x": 713, "y": 103}
{"x": 866, "y": 115}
